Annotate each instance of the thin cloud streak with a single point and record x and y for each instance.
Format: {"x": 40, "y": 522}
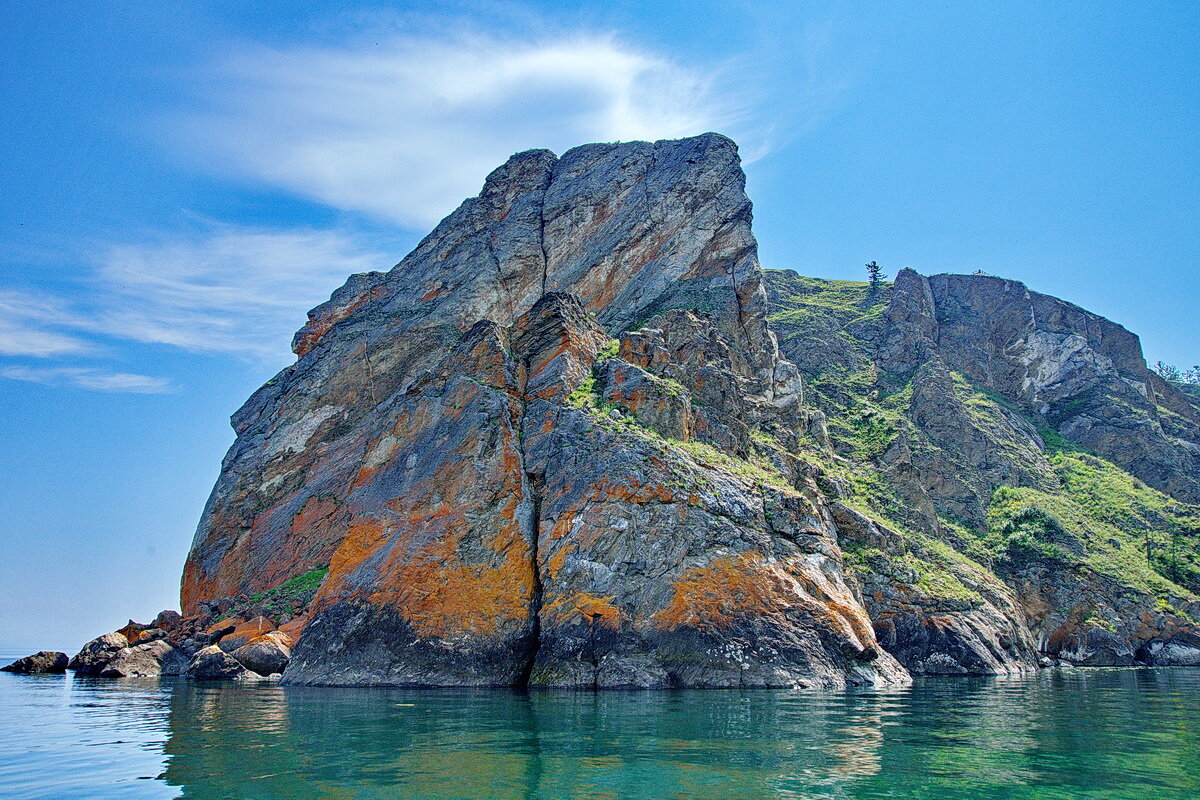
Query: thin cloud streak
{"x": 232, "y": 290}
{"x": 23, "y": 317}
{"x": 239, "y": 291}
{"x": 406, "y": 129}
{"x": 91, "y": 378}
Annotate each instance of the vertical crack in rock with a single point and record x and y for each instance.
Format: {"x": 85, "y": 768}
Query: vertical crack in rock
{"x": 542, "y": 231}
{"x": 531, "y": 485}
{"x": 530, "y": 510}
{"x": 502, "y": 282}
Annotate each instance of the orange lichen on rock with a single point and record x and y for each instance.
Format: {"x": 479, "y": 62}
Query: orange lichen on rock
{"x": 559, "y": 559}
{"x": 632, "y": 491}
{"x": 295, "y": 626}
{"x": 455, "y": 598}
{"x": 421, "y": 574}
{"x": 313, "y": 516}
{"x": 196, "y": 586}
{"x": 835, "y": 603}
{"x": 222, "y": 624}
{"x": 583, "y": 607}
{"x": 318, "y": 326}
{"x": 245, "y": 632}
{"x": 364, "y": 537}
{"x": 712, "y": 597}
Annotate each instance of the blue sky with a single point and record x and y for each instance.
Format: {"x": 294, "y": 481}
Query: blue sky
{"x": 180, "y": 182}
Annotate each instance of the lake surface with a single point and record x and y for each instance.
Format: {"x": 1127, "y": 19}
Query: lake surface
{"x": 1059, "y": 734}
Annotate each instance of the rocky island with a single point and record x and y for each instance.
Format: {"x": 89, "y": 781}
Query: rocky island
{"x": 580, "y": 438}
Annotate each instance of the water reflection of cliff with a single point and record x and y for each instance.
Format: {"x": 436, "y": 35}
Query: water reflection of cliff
{"x": 271, "y": 742}
{"x": 945, "y": 739}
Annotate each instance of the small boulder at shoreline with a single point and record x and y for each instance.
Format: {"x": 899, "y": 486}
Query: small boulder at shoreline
{"x": 148, "y": 659}
{"x": 47, "y": 662}
{"x": 96, "y": 654}
{"x": 245, "y": 632}
{"x": 213, "y": 663}
{"x": 267, "y": 654}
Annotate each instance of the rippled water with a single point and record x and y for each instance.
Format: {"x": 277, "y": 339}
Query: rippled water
{"x": 1063, "y": 734}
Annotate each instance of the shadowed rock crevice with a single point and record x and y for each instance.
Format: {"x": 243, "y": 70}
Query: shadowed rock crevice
{"x": 533, "y": 495}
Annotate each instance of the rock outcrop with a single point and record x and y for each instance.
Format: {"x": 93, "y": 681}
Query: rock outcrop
{"x": 147, "y": 659}
{"x": 579, "y": 438}
{"x": 177, "y": 645}
{"x": 96, "y": 654}
{"x": 460, "y": 444}
{"x": 1068, "y": 369}
{"x": 46, "y": 662}
{"x": 1038, "y": 479}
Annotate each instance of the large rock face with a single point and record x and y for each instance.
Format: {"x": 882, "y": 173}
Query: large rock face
{"x": 458, "y": 442}
{"x": 558, "y": 445}
{"x": 1074, "y": 371}
{"x": 1035, "y": 477}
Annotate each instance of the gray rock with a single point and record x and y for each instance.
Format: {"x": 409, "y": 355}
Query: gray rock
{"x": 1179, "y": 650}
{"x": 269, "y": 654}
{"x": 148, "y": 659}
{"x": 43, "y": 662}
{"x": 213, "y": 663}
{"x": 167, "y": 620}
{"x": 1083, "y": 375}
{"x": 1094, "y": 647}
{"x": 96, "y": 654}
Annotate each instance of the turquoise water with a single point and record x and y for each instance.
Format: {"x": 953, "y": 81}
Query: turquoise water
{"x": 1061, "y": 734}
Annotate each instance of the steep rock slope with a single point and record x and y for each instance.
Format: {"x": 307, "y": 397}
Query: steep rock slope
{"x": 1034, "y": 476}
{"x": 501, "y": 498}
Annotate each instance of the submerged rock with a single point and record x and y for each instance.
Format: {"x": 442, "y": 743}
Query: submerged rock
{"x": 47, "y": 662}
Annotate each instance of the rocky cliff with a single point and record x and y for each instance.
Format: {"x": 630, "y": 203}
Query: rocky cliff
{"x": 579, "y": 438}
{"x": 523, "y": 453}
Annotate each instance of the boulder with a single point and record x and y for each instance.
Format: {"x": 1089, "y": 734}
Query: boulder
{"x": 96, "y": 654}
{"x": 46, "y": 662}
{"x": 213, "y": 663}
{"x": 268, "y": 654}
{"x": 167, "y": 620}
{"x": 294, "y": 627}
{"x": 656, "y": 403}
{"x": 1093, "y": 647}
{"x": 1182, "y": 649}
{"x": 155, "y": 657}
{"x": 244, "y": 633}
{"x": 147, "y": 635}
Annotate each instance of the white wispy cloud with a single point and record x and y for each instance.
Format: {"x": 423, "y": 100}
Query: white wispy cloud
{"x": 93, "y": 378}
{"x": 405, "y": 127}
{"x": 27, "y": 326}
{"x": 234, "y": 290}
